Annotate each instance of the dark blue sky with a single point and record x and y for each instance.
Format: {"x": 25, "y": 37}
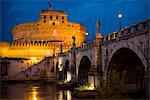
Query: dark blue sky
{"x": 81, "y": 11}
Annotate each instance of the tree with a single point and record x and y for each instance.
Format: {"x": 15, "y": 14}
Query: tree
{"x": 114, "y": 86}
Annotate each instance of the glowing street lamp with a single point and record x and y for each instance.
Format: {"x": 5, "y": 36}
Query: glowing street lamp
{"x": 120, "y": 16}
{"x": 86, "y": 34}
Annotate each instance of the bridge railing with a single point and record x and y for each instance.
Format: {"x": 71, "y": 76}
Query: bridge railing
{"x": 137, "y": 29}
{"x": 128, "y": 32}
{"x": 86, "y": 46}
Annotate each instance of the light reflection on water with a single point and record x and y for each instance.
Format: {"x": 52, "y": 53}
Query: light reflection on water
{"x": 64, "y": 95}
{"x": 34, "y": 92}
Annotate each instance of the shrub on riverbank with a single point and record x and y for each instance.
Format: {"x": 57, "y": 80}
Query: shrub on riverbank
{"x": 114, "y": 86}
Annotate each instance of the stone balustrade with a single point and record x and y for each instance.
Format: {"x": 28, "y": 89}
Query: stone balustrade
{"x": 136, "y": 29}
{"x": 86, "y": 46}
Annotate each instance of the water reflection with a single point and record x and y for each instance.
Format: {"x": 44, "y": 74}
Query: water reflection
{"x": 34, "y": 95}
{"x": 34, "y": 92}
{"x": 64, "y": 95}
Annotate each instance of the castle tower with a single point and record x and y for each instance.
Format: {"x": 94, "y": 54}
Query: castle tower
{"x": 40, "y": 39}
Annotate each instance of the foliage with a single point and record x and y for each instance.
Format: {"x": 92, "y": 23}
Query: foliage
{"x": 87, "y": 86}
{"x": 114, "y": 86}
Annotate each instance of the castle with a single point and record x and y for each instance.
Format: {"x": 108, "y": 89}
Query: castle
{"x": 36, "y": 40}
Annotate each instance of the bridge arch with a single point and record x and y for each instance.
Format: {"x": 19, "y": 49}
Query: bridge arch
{"x": 126, "y": 60}
{"x": 84, "y": 68}
{"x": 78, "y": 59}
{"x": 67, "y": 71}
{"x": 131, "y": 46}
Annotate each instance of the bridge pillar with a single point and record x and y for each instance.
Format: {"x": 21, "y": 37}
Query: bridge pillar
{"x": 73, "y": 76}
{"x": 147, "y": 83}
{"x": 93, "y": 76}
{"x": 55, "y": 69}
{"x": 73, "y": 51}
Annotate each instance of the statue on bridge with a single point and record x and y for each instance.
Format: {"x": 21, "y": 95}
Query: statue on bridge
{"x": 98, "y": 33}
{"x": 61, "y": 48}
{"x": 74, "y": 39}
{"x": 98, "y": 26}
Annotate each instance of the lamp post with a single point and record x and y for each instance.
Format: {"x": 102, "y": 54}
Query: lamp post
{"x": 120, "y": 16}
{"x": 86, "y": 34}
{"x": 68, "y": 46}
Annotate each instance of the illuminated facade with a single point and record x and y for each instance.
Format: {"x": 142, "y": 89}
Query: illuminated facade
{"x": 43, "y": 38}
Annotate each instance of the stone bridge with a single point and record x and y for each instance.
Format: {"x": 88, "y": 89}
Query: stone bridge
{"x": 125, "y": 50}
{"x": 130, "y": 43}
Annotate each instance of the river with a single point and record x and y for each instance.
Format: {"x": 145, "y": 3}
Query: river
{"x": 34, "y": 91}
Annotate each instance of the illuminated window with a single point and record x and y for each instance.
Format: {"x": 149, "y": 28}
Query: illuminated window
{"x": 51, "y": 17}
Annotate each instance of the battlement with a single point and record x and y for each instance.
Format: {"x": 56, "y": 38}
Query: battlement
{"x": 40, "y": 44}
{"x": 47, "y": 11}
